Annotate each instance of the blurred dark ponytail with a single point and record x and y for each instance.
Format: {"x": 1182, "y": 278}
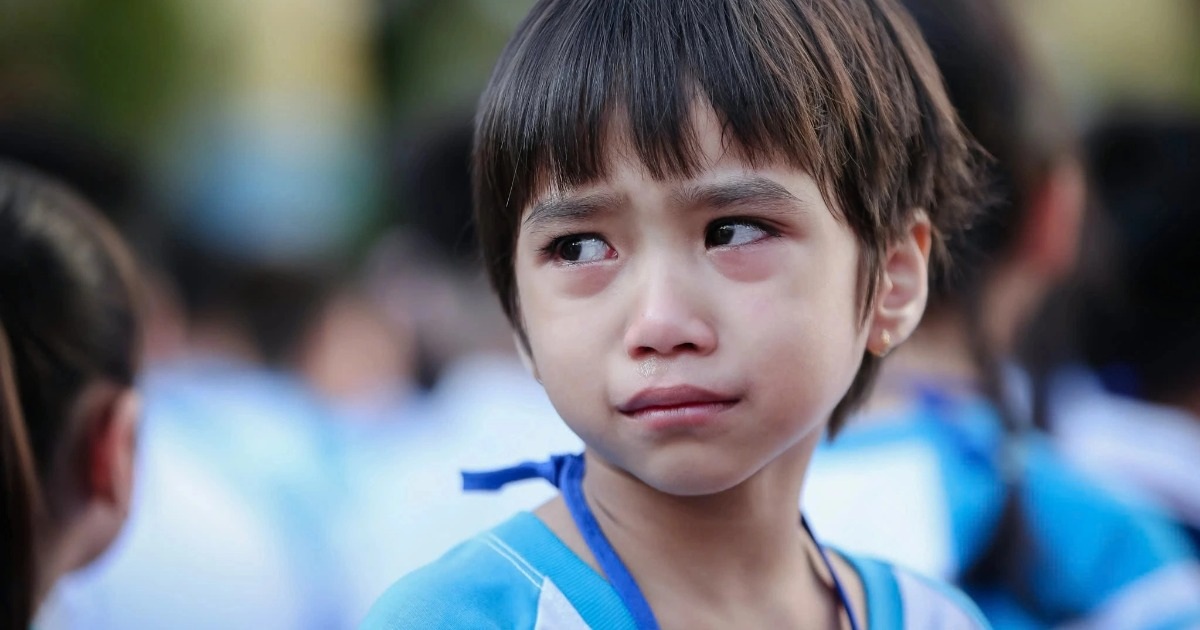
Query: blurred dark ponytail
{"x": 21, "y": 500}
{"x": 69, "y": 316}
{"x": 1018, "y": 120}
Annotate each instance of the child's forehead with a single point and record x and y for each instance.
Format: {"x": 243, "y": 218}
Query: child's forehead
{"x": 721, "y": 167}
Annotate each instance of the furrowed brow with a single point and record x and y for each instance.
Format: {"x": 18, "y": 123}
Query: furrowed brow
{"x": 736, "y": 192}
{"x": 558, "y": 210}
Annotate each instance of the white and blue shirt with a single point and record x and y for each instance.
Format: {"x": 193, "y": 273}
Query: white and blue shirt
{"x": 520, "y": 575}
{"x": 927, "y": 486}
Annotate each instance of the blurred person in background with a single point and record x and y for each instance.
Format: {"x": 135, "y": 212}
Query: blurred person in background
{"x": 1117, "y": 351}
{"x": 202, "y": 547}
{"x": 112, "y": 182}
{"x": 361, "y": 361}
{"x": 70, "y": 336}
{"x": 470, "y": 404}
{"x": 960, "y": 485}
{"x": 199, "y": 549}
{"x": 269, "y": 375}
{"x": 240, "y": 474}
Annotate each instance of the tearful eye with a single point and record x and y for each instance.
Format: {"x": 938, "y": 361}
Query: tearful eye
{"x": 734, "y": 233}
{"x": 582, "y": 249}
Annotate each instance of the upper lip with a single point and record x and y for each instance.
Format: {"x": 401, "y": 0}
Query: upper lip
{"x": 676, "y": 396}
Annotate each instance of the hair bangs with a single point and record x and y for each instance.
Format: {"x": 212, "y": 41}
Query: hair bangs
{"x": 586, "y": 74}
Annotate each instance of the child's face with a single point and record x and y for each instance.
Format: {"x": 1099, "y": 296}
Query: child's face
{"x": 691, "y": 331}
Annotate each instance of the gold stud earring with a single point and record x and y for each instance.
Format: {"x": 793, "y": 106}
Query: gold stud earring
{"x": 885, "y": 338}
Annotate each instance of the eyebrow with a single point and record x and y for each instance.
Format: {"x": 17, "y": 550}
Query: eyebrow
{"x": 568, "y": 209}
{"x": 735, "y": 192}
{"x": 713, "y": 196}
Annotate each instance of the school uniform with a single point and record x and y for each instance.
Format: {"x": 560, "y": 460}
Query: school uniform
{"x": 1129, "y": 445}
{"x": 521, "y": 575}
{"x": 1082, "y": 556}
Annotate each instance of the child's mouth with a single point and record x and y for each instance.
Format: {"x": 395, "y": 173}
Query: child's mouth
{"x": 676, "y": 407}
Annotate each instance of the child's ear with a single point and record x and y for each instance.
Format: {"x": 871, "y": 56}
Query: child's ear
{"x": 1051, "y": 234}
{"x": 111, "y": 446}
{"x": 903, "y": 289}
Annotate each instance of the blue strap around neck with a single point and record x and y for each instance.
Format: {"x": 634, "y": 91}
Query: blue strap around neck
{"x": 566, "y": 473}
{"x": 837, "y": 584}
{"x": 495, "y": 479}
{"x": 571, "y": 485}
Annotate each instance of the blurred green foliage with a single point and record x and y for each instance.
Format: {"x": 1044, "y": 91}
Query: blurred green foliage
{"x": 435, "y": 55}
{"x": 115, "y": 66}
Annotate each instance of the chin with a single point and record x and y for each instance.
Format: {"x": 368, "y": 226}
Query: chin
{"x": 692, "y": 473}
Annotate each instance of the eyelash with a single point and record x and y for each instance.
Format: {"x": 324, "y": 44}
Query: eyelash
{"x": 768, "y": 229}
{"x": 551, "y": 250}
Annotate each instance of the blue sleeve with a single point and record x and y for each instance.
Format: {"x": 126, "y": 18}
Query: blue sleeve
{"x": 1093, "y": 549}
{"x": 412, "y": 604}
{"x": 469, "y": 587}
{"x": 898, "y": 599}
{"x": 932, "y": 603}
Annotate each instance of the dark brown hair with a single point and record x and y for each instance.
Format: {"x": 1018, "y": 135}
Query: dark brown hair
{"x": 68, "y": 316}
{"x": 844, "y": 89}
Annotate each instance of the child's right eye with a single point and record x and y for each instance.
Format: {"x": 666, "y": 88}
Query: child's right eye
{"x": 580, "y": 248}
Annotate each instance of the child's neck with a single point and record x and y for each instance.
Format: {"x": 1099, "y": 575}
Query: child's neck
{"x": 740, "y": 557}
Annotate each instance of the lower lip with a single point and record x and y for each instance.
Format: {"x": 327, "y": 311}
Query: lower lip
{"x": 681, "y": 416}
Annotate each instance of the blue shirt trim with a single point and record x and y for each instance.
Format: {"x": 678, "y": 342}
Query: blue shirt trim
{"x": 591, "y": 595}
{"x": 884, "y": 608}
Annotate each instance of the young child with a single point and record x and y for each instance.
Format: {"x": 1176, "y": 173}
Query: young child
{"x": 707, "y": 222}
{"x": 69, "y": 342}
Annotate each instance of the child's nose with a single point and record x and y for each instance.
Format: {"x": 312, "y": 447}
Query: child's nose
{"x": 669, "y": 318}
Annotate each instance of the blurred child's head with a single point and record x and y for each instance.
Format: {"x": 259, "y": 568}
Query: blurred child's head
{"x": 1030, "y": 227}
{"x": 738, "y": 197}
{"x": 1138, "y": 322}
{"x": 69, "y": 337}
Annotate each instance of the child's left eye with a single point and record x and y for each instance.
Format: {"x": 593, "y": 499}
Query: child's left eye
{"x": 734, "y": 232}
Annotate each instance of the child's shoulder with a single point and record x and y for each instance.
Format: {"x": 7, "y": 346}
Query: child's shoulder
{"x": 516, "y": 575}
{"x": 898, "y": 598}
{"x": 480, "y": 583}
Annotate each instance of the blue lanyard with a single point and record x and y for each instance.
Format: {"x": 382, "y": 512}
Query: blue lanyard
{"x": 566, "y": 473}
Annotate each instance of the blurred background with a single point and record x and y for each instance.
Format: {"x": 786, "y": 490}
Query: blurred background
{"x": 324, "y": 352}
